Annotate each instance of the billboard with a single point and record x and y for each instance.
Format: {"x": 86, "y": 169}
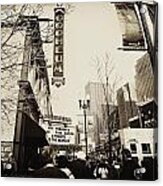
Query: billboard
{"x": 130, "y": 24}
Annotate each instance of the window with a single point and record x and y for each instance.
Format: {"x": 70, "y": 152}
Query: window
{"x": 133, "y": 148}
{"x": 146, "y": 148}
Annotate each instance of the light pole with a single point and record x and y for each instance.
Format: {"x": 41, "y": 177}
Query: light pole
{"x": 85, "y": 104}
{"x": 109, "y": 123}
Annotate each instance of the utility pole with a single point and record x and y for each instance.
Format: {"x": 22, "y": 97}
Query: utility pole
{"x": 85, "y": 130}
{"x": 108, "y": 123}
{"x": 85, "y": 104}
{"x": 108, "y": 114}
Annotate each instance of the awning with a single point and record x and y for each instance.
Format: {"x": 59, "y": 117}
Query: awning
{"x": 34, "y": 134}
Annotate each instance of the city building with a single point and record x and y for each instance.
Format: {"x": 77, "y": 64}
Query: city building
{"x": 144, "y": 79}
{"x": 147, "y": 115}
{"x": 141, "y": 137}
{"x": 138, "y": 131}
{"x": 142, "y": 142}
{"x": 96, "y": 92}
{"x": 126, "y": 108}
{"x": 31, "y": 97}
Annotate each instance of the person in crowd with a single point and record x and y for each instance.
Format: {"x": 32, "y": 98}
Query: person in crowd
{"x": 10, "y": 167}
{"x": 128, "y": 166}
{"x": 92, "y": 165}
{"x": 138, "y": 173}
{"x": 80, "y": 170}
{"x": 48, "y": 169}
{"x": 88, "y": 162}
{"x": 150, "y": 166}
{"x": 102, "y": 170}
{"x": 2, "y": 168}
{"x": 62, "y": 164}
{"x": 36, "y": 162}
{"x": 115, "y": 170}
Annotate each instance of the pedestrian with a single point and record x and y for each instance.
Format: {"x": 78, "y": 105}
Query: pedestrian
{"x": 128, "y": 166}
{"x": 149, "y": 165}
{"x": 48, "y": 170}
{"x": 80, "y": 170}
{"x": 115, "y": 170}
{"x": 62, "y": 164}
{"x": 10, "y": 167}
{"x": 102, "y": 170}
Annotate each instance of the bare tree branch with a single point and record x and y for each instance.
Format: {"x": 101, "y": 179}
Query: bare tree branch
{"x": 14, "y": 26}
{"x": 12, "y": 47}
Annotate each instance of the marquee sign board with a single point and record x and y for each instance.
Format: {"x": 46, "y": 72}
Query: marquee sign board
{"x": 58, "y": 65}
{"x": 59, "y": 134}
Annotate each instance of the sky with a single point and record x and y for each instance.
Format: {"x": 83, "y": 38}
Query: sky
{"x": 91, "y": 31}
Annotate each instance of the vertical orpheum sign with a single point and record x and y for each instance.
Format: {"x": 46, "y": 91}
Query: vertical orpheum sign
{"x": 58, "y": 68}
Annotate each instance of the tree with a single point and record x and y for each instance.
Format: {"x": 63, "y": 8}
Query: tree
{"x": 13, "y": 28}
{"x": 108, "y": 77}
{"x": 12, "y": 46}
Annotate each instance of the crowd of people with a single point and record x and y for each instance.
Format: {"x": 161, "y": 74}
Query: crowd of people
{"x": 48, "y": 165}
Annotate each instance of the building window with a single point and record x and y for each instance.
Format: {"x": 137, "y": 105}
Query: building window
{"x": 146, "y": 148}
{"x": 133, "y": 148}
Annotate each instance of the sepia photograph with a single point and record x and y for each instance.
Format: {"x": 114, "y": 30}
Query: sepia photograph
{"x": 79, "y": 90}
